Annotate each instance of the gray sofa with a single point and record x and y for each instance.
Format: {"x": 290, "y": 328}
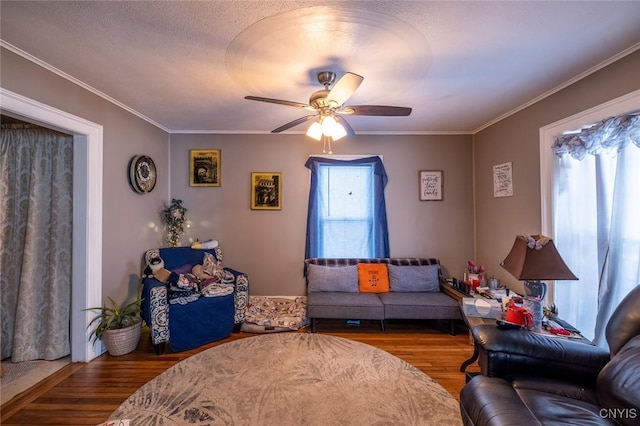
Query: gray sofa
{"x": 414, "y": 292}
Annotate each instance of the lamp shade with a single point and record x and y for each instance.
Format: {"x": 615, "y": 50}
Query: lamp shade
{"x": 536, "y": 258}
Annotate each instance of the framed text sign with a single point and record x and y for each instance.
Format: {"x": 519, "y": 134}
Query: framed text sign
{"x": 502, "y": 180}
{"x": 430, "y": 185}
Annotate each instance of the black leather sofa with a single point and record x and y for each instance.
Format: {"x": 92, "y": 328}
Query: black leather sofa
{"x": 529, "y": 379}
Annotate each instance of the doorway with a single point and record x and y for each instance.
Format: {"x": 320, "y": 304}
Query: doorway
{"x": 87, "y": 211}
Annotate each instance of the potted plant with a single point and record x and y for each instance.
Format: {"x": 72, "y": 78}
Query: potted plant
{"x": 117, "y": 326}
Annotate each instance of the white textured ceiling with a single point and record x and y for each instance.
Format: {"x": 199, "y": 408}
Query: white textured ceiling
{"x": 186, "y": 66}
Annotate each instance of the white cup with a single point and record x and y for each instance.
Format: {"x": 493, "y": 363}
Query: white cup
{"x": 505, "y": 303}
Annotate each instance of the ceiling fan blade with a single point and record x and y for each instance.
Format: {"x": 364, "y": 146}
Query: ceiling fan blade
{"x": 346, "y": 126}
{"x": 279, "y": 102}
{"x": 344, "y": 88}
{"x": 377, "y": 110}
{"x": 293, "y": 123}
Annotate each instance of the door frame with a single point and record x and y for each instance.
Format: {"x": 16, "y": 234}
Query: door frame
{"x": 87, "y": 210}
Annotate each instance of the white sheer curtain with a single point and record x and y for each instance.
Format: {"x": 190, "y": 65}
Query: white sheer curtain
{"x": 36, "y": 179}
{"x": 596, "y": 212}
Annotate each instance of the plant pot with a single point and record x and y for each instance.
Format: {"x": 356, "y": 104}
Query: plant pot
{"x": 122, "y": 340}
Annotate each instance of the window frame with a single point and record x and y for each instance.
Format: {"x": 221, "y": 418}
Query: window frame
{"x": 368, "y": 221}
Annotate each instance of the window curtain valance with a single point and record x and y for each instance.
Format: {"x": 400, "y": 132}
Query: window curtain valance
{"x": 378, "y": 168}
{"x": 611, "y": 134}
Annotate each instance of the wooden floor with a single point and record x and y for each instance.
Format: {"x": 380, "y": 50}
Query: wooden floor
{"x": 87, "y": 393}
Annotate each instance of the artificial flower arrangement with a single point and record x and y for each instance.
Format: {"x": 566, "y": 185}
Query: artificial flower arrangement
{"x": 474, "y": 268}
{"x": 473, "y": 274}
{"x": 174, "y": 217}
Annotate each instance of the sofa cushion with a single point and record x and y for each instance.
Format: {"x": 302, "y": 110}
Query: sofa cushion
{"x": 332, "y": 278}
{"x": 414, "y": 278}
{"x": 333, "y": 304}
{"x": 491, "y": 400}
{"x": 373, "y": 278}
{"x": 419, "y": 305}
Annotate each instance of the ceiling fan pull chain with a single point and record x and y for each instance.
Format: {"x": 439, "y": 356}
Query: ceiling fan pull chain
{"x": 326, "y": 141}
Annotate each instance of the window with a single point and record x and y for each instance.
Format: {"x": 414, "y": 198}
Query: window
{"x": 347, "y": 214}
{"x": 590, "y": 207}
{"x": 595, "y": 210}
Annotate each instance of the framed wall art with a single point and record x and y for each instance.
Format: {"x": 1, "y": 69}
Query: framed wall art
{"x": 205, "y": 167}
{"x": 503, "y": 180}
{"x": 266, "y": 191}
{"x": 430, "y": 185}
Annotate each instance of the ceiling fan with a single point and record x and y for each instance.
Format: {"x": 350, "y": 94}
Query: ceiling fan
{"x": 328, "y": 106}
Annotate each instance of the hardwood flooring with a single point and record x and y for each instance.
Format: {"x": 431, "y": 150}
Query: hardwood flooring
{"x": 87, "y": 393}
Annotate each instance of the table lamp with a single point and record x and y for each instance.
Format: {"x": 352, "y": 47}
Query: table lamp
{"x": 534, "y": 258}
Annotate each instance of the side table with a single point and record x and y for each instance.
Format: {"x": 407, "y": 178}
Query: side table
{"x": 473, "y": 321}
{"x": 470, "y": 321}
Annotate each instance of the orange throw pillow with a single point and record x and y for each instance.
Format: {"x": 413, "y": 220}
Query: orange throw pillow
{"x": 373, "y": 278}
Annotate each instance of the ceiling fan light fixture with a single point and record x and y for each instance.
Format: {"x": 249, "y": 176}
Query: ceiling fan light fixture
{"x": 338, "y": 132}
{"x": 315, "y": 131}
{"x": 328, "y": 104}
{"x": 328, "y": 125}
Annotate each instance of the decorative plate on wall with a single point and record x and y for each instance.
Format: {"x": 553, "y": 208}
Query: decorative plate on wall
{"x": 142, "y": 174}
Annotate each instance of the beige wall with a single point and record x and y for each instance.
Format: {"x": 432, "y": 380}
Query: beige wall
{"x": 516, "y": 139}
{"x": 128, "y": 217}
{"x": 269, "y": 245}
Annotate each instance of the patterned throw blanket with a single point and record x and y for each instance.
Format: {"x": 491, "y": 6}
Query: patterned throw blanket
{"x": 276, "y": 313}
{"x": 209, "y": 279}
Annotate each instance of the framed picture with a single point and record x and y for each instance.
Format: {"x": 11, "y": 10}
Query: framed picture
{"x": 503, "y": 180}
{"x": 430, "y": 185}
{"x": 266, "y": 191}
{"x": 205, "y": 167}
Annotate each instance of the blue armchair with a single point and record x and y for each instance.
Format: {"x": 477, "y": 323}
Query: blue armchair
{"x": 198, "y": 317}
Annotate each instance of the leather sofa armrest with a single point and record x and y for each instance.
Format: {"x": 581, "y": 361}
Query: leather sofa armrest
{"x": 503, "y": 353}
